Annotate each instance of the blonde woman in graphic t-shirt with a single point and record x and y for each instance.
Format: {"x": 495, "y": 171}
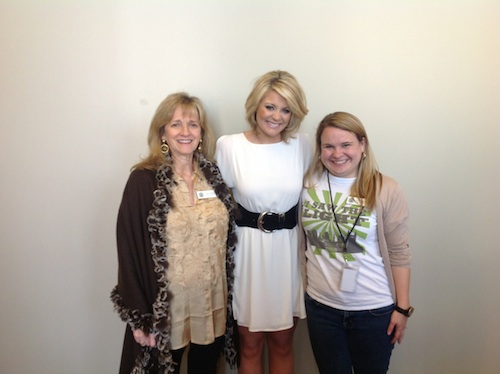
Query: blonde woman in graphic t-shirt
{"x": 358, "y": 258}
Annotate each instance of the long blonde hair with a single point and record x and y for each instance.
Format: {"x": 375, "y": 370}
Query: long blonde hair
{"x": 368, "y": 176}
{"x": 162, "y": 116}
{"x": 286, "y": 86}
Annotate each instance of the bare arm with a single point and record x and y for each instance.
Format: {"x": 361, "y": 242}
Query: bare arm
{"x": 398, "y": 321}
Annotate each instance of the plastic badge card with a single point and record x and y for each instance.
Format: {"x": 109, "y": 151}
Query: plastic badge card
{"x": 349, "y": 279}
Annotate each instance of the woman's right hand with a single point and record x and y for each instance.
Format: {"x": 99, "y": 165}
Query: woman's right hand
{"x": 144, "y": 339}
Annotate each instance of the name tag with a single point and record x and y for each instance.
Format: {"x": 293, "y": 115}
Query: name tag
{"x": 349, "y": 279}
{"x": 208, "y": 194}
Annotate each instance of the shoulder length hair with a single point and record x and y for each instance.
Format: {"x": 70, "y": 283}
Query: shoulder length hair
{"x": 368, "y": 177}
{"x": 286, "y": 86}
{"x": 162, "y": 116}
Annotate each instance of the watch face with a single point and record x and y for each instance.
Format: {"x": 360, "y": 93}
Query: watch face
{"x": 410, "y": 311}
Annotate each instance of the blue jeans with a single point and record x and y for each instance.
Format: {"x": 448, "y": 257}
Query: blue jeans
{"x": 343, "y": 340}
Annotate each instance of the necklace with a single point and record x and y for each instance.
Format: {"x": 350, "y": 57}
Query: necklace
{"x": 349, "y": 239}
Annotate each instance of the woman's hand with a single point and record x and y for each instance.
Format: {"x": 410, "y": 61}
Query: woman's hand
{"x": 144, "y": 339}
{"x": 398, "y": 320}
{"x": 398, "y": 326}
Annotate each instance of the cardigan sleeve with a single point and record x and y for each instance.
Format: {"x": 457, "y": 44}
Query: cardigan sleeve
{"x": 396, "y": 222}
{"x": 137, "y": 287}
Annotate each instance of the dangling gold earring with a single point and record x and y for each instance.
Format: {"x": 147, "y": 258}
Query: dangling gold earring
{"x": 364, "y": 155}
{"x": 164, "y": 148}
{"x": 200, "y": 148}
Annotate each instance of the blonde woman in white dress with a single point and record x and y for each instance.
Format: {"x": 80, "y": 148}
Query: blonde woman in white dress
{"x": 265, "y": 166}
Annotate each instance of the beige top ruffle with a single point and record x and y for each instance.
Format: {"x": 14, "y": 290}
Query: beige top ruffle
{"x": 196, "y": 236}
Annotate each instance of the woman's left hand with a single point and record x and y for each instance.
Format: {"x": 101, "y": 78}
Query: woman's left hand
{"x": 398, "y": 326}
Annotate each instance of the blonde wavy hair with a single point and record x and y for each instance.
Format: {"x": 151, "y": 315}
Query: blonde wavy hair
{"x": 286, "y": 86}
{"x": 368, "y": 176}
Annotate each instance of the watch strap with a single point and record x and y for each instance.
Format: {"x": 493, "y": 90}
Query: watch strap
{"x": 406, "y": 312}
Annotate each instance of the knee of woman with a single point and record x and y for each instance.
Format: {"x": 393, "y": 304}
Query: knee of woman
{"x": 282, "y": 345}
{"x": 251, "y": 347}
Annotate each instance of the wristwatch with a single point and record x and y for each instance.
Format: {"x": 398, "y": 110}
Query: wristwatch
{"x": 406, "y": 312}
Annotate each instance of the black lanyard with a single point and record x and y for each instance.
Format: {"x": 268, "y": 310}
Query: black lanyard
{"x": 344, "y": 239}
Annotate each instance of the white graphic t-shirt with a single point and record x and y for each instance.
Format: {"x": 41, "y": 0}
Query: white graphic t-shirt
{"x": 328, "y": 256}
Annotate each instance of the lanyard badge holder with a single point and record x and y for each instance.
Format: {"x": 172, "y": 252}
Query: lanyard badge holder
{"x": 349, "y": 278}
{"x": 350, "y": 272}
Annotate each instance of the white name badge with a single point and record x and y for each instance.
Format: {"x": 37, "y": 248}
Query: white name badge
{"x": 349, "y": 279}
{"x": 208, "y": 194}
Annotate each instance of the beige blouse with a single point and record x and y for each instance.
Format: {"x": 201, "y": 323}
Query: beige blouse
{"x": 196, "y": 255}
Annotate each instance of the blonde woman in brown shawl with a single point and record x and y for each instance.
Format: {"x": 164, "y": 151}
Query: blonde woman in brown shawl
{"x": 175, "y": 236}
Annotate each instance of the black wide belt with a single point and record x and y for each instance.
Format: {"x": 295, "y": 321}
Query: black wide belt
{"x": 267, "y": 221}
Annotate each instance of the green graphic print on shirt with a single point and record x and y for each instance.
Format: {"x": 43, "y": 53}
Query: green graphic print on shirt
{"x": 321, "y": 229}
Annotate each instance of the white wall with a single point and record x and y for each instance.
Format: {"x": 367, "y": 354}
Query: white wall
{"x": 80, "y": 80}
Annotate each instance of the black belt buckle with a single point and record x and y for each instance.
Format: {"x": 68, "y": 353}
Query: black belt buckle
{"x": 260, "y": 221}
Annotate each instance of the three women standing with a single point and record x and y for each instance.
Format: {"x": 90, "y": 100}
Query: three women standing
{"x": 176, "y": 234}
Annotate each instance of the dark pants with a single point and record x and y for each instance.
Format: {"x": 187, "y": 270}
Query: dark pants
{"x": 202, "y": 359}
{"x": 344, "y": 340}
